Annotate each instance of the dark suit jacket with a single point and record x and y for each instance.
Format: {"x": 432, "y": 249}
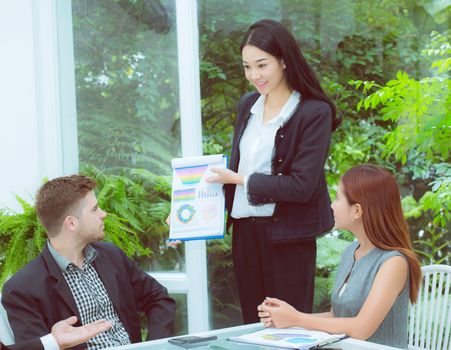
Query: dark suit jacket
{"x": 299, "y": 189}
{"x": 38, "y": 296}
{"x": 34, "y": 344}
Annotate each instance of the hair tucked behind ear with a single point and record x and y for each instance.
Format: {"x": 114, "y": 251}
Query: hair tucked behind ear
{"x": 376, "y": 190}
{"x": 272, "y": 37}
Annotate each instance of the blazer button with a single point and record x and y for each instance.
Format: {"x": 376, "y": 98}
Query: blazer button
{"x": 279, "y": 174}
{"x": 280, "y": 160}
{"x": 275, "y": 219}
{"x": 282, "y": 136}
{"x": 271, "y": 199}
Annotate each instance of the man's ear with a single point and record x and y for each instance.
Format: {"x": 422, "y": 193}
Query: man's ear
{"x": 70, "y": 223}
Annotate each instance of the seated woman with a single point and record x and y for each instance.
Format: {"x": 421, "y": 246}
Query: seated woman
{"x": 377, "y": 273}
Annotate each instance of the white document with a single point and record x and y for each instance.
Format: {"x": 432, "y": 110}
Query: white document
{"x": 291, "y": 338}
{"x": 197, "y": 207}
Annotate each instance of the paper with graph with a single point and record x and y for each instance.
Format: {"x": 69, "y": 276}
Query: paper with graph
{"x": 197, "y": 207}
{"x": 291, "y": 338}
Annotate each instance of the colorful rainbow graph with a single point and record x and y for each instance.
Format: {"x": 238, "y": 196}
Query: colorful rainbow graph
{"x": 191, "y": 175}
{"x": 184, "y": 195}
{"x": 185, "y": 213}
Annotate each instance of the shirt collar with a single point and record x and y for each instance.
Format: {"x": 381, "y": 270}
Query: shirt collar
{"x": 89, "y": 252}
{"x": 257, "y": 108}
{"x": 286, "y": 112}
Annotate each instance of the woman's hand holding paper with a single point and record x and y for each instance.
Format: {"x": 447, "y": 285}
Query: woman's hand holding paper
{"x": 225, "y": 176}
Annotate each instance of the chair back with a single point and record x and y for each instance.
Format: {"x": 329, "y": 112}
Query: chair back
{"x": 430, "y": 317}
{"x": 6, "y": 333}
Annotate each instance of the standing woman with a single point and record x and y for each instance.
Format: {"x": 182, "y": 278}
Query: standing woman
{"x": 276, "y": 192}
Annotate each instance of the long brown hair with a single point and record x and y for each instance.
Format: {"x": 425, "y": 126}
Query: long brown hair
{"x": 377, "y": 192}
{"x": 274, "y": 38}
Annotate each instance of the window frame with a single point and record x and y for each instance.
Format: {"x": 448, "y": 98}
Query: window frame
{"x": 194, "y": 281}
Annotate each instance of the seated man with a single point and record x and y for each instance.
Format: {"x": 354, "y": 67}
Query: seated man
{"x": 77, "y": 274}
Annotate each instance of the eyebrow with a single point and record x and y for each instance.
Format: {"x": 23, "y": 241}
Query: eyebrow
{"x": 94, "y": 207}
{"x": 259, "y": 60}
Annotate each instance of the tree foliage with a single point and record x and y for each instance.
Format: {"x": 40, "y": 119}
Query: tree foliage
{"x": 366, "y": 41}
{"x": 418, "y": 112}
{"x": 126, "y": 84}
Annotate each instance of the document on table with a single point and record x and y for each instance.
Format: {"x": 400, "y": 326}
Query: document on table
{"x": 291, "y": 338}
{"x": 197, "y": 207}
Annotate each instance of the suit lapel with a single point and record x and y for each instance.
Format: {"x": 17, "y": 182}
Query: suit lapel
{"x": 243, "y": 114}
{"x": 108, "y": 279}
{"x": 61, "y": 286}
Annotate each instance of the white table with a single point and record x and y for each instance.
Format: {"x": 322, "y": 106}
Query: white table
{"x": 223, "y": 344}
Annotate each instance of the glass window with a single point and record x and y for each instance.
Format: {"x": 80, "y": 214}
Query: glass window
{"x": 343, "y": 41}
{"x": 128, "y": 113}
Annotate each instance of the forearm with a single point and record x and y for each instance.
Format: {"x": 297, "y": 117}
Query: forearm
{"x": 152, "y": 299}
{"x": 160, "y": 319}
{"x": 158, "y": 306}
{"x": 264, "y": 188}
{"x": 225, "y": 176}
{"x": 297, "y": 170}
{"x": 238, "y": 180}
{"x": 351, "y": 326}
{"x": 327, "y": 314}
{"x": 299, "y": 185}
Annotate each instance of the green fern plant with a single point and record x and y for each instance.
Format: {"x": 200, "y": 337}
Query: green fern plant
{"x": 124, "y": 143}
{"x": 417, "y": 112}
{"x": 22, "y": 237}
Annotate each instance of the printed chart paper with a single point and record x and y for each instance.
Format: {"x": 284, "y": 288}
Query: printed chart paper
{"x": 197, "y": 207}
{"x": 291, "y": 338}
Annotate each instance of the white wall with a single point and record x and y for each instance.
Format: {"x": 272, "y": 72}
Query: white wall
{"x": 31, "y": 144}
{"x": 18, "y": 140}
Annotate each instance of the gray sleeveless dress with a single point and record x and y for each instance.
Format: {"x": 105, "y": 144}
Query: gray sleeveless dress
{"x": 393, "y": 330}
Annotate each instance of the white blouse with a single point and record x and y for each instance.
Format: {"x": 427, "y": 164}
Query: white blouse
{"x": 256, "y": 153}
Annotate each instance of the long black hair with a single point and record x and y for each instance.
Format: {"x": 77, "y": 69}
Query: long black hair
{"x": 272, "y": 37}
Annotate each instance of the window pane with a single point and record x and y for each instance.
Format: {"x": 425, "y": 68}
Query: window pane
{"x": 128, "y": 111}
{"x": 181, "y": 319}
{"x": 342, "y": 40}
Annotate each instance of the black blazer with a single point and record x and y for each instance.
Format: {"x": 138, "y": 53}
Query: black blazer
{"x": 297, "y": 183}
{"x": 38, "y": 296}
{"x": 34, "y": 344}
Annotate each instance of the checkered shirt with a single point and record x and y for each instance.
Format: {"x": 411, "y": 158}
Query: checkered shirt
{"x": 93, "y": 302}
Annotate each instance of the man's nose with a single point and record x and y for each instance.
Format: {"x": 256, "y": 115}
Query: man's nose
{"x": 103, "y": 214}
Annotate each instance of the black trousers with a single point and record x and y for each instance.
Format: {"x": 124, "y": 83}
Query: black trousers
{"x": 266, "y": 269}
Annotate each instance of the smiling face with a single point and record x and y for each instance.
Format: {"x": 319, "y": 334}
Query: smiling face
{"x": 91, "y": 219}
{"x": 264, "y": 71}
